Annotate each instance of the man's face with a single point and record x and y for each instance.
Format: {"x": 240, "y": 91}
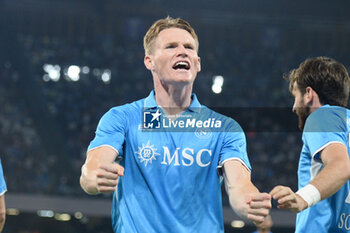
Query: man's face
{"x": 174, "y": 59}
{"x": 299, "y": 107}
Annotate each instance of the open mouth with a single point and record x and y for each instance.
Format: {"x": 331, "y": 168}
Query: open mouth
{"x": 183, "y": 65}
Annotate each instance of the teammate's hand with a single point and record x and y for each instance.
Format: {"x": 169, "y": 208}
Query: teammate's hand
{"x": 287, "y": 199}
{"x": 259, "y": 207}
{"x": 107, "y": 177}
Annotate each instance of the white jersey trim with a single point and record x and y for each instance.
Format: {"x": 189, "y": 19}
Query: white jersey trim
{"x": 317, "y": 166}
{"x": 325, "y": 145}
{"x": 347, "y": 200}
{"x": 3, "y": 192}
{"x": 106, "y": 145}
{"x": 221, "y": 164}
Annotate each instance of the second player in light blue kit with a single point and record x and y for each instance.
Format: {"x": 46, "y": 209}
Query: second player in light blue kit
{"x": 3, "y": 189}
{"x": 174, "y": 151}
{"x": 321, "y": 90}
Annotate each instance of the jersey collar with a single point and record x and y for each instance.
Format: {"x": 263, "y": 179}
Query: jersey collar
{"x": 150, "y": 102}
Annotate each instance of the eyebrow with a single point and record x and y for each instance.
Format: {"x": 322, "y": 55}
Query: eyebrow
{"x": 189, "y": 44}
{"x": 177, "y": 43}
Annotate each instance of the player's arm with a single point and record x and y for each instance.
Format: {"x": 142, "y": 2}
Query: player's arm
{"x": 2, "y": 212}
{"x": 244, "y": 197}
{"x": 336, "y": 171}
{"x": 99, "y": 174}
{"x": 332, "y": 177}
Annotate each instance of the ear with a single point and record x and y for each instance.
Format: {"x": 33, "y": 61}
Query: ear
{"x": 199, "y": 64}
{"x": 148, "y": 62}
{"x": 309, "y": 95}
{"x": 311, "y": 99}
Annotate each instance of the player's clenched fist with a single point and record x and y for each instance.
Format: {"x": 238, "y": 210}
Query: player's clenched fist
{"x": 259, "y": 206}
{"x": 100, "y": 173}
{"x": 287, "y": 199}
{"x": 107, "y": 177}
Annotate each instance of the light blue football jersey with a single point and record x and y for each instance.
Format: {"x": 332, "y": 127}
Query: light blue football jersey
{"x": 327, "y": 125}
{"x": 171, "y": 181}
{"x": 3, "y": 187}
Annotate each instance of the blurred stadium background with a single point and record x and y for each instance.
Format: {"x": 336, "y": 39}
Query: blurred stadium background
{"x": 63, "y": 63}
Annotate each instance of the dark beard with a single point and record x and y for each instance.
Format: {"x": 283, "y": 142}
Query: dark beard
{"x": 302, "y": 113}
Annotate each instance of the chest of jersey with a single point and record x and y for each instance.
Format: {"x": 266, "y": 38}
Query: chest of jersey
{"x": 176, "y": 149}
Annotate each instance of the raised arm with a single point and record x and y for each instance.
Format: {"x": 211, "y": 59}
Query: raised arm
{"x": 333, "y": 176}
{"x": 2, "y": 212}
{"x": 100, "y": 173}
{"x": 245, "y": 198}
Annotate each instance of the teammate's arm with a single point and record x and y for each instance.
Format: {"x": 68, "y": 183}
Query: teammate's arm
{"x": 244, "y": 197}
{"x": 334, "y": 175}
{"x": 336, "y": 171}
{"x": 2, "y": 212}
{"x": 99, "y": 174}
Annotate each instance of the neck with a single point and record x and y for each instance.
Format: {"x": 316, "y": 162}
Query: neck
{"x": 314, "y": 106}
{"x": 173, "y": 98}
{"x": 313, "y": 101}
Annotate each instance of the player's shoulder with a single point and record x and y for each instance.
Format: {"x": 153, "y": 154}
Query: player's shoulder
{"x": 122, "y": 113}
{"x": 328, "y": 113}
{"x": 131, "y": 107}
{"x": 327, "y": 116}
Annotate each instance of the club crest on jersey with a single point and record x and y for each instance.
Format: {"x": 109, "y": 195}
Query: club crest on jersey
{"x": 203, "y": 133}
{"x": 147, "y": 153}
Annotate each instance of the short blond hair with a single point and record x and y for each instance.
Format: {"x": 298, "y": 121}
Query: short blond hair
{"x": 160, "y": 25}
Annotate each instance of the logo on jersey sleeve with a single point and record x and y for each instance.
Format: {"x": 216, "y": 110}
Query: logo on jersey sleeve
{"x": 147, "y": 153}
{"x": 347, "y": 200}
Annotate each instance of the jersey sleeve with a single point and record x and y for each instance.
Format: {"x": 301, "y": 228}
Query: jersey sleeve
{"x": 234, "y": 145}
{"x": 111, "y": 130}
{"x": 324, "y": 127}
{"x": 3, "y": 187}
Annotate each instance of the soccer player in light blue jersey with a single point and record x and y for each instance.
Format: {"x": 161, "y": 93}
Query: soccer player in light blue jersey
{"x": 169, "y": 180}
{"x": 321, "y": 87}
{"x": 3, "y": 189}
